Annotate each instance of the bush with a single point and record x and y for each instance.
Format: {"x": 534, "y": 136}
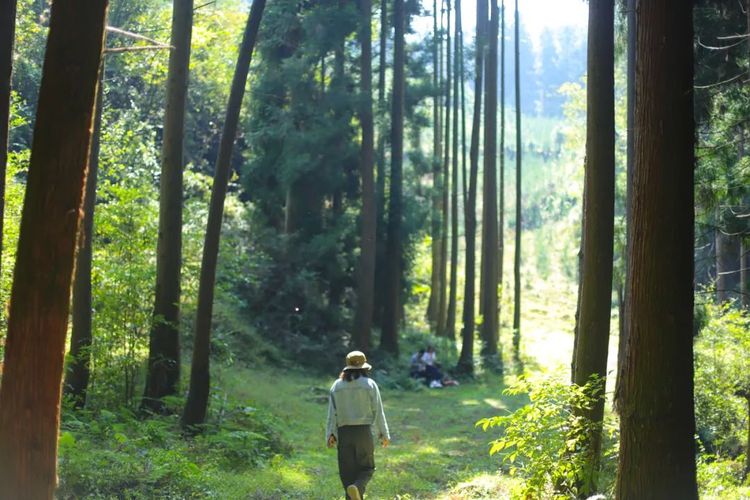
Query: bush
{"x": 544, "y": 441}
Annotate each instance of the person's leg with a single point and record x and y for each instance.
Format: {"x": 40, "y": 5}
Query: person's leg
{"x": 347, "y": 456}
{"x": 365, "y": 457}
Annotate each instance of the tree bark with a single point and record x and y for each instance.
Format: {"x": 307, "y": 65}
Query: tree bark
{"x": 200, "y": 373}
{"x": 501, "y": 186}
{"x": 163, "y": 375}
{"x": 442, "y": 328}
{"x": 727, "y": 259}
{"x": 7, "y": 38}
{"x": 381, "y": 170}
{"x": 78, "y": 373}
{"x": 394, "y": 251}
{"x": 433, "y": 306}
{"x": 657, "y": 426}
{"x": 489, "y": 200}
{"x": 622, "y": 341}
{"x": 745, "y": 276}
{"x": 598, "y": 225}
{"x": 366, "y": 278}
{"x": 466, "y": 358}
{"x": 519, "y": 220}
{"x": 40, "y": 297}
{"x": 452, "y": 306}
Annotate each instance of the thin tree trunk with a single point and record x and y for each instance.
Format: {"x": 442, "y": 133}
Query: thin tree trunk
{"x": 501, "y": 186}
{"x": 40, "y": 297}
{"x": 200, "y": 373}
{"x": 451, "y": 324}
{"x": 366, "y": 278}
{"x": 657, "y": 426}
{"x": 7, "y": 37}
{"x": 489, "y": 200}
{"x": 78, "y": 374}
{"x": 389, "y": 340}
{"x": 442, "y": 329}
{"x": 163, "y": 375}
{"x": 466, "y": 358}
{"x": 433, "y": 306}
{"x": 519, "y": 220}
{"x": 622, "y": 341}
{"x": 598, "y": 225}
{"x": 727, "y": 258}
{"x": 745, "y": 276}
{"x": 381, "y": 170}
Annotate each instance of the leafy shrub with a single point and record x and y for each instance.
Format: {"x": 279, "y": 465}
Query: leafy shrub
{"x": 108, "y": 454}
{"x": 544, "y": 441}
{"x": 722, "y": 375}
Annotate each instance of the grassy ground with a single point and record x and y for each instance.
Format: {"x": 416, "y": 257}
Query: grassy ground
{"x": 436, "y": 452}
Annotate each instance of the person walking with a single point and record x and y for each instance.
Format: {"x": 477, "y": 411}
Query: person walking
{"x": 354, "y": 411}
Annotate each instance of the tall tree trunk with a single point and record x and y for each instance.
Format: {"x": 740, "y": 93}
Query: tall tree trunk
{"x": 40, "y": 297}
{"x": 501, "y": 186}
{"x": 392, "y": 310}
{"x": 622, "y": 341}
{"x": 657, "y": 426}
{"x": 451, "y": 323}
{"x": 598, "y": 224}
{"x": 442, "y": 329}
{"x": 727, "y": 258}
{"x": 745, "y": 276}
{"x": 381, "y": 170}
{"x": 433, "y": 307}
{"x": 466, "y": 359}
{"x": 77, "y": 374}
{"x": 163, "y": 375}
{"x": 366, "y": 276}
{"x": 7, "y": 37}
{"x": 489, "y": 200}
{"x": 200, "y": 373}
{"x": 519, "y": 220}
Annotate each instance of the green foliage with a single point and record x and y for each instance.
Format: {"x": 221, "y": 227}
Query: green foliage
{"x": 722, "y": 375}
{"x": 544, "y": 441}
{"x": 112, "y": 454}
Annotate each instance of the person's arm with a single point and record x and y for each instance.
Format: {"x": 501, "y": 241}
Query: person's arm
{"x": 380, "y": 422}
{"x": 332, "y": 429}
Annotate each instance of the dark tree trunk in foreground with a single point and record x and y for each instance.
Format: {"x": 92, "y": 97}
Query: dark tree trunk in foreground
{"x": 163, "y": 373}
{"x": 197, "y": 400}
{"x": 457, "y": 80}
{"x": 40, "y": 297}
{"x": 622, "y": 341}
{"x": 489, "y": 199}
{"x": 366, "y": 270}
{"x": 657, "y": 426}
{"x": 392, "y": 310}
{"x": 7, "y": 36}
{"x": 78, "y": 373}
{"x": 519, "y": 220}
{"x": 598, "y": 223}
{"x": 466, "y": 359}
{"x": 433, "y": 306}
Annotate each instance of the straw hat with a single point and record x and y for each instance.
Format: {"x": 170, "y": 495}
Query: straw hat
{"x": 356, "y": 360}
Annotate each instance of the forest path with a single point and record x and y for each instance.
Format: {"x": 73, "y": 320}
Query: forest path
{"x": 436, "y": 452}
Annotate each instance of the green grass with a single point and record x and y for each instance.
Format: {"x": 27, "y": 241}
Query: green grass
{"x": 436, "y": 450}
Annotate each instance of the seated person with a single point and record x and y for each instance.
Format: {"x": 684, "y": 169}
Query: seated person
{"x": 432, "y": 368}
{"x": 417, "y": 366}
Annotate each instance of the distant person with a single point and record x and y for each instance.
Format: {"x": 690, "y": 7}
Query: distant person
{"x": 354, "y": 408}
{"x": 433, "y": 376}
{"x": 416, "y": 365}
